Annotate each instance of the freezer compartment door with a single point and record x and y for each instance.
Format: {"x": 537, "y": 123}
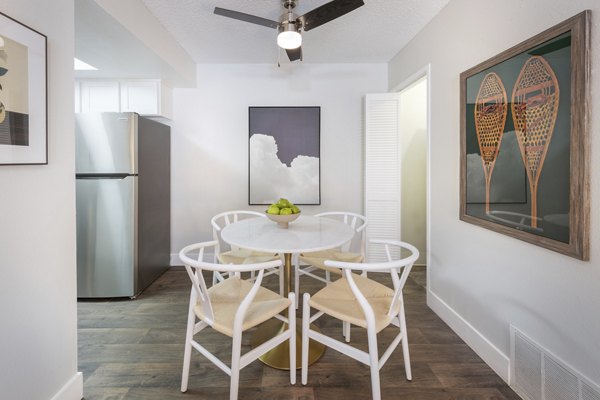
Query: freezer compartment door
{"x": 106, "y": 237}
{"x": 106, "y": 143}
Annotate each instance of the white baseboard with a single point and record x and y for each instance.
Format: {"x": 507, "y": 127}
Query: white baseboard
{"x": 72, "y": 390}
{"x": 485, "y": 349}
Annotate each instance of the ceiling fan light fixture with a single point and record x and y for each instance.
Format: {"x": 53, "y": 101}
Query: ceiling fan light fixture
{"x": 289, "y": 40}
{"x": 289, "y": 37}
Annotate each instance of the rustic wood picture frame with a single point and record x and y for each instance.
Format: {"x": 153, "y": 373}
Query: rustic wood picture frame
{"x": 492, "y": 98}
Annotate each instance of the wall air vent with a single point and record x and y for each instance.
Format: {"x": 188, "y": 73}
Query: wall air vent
{"x": 559, "y": 382}
{"x": 527, "y": 362}
{"x": 537, "y": 374}
{"x": 588, "y": 392}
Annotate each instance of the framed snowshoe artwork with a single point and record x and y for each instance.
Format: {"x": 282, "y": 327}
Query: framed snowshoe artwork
{"x": 524, "y": 149}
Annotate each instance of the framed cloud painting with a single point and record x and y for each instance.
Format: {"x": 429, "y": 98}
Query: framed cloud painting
{"x": 23, "y": 133}
{"x": 284, "y": 155}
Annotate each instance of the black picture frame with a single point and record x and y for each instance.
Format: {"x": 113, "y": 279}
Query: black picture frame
{"x": 284, "y": 154}
{"x": 531, "y": 100}
{"x": 23, "y": 94}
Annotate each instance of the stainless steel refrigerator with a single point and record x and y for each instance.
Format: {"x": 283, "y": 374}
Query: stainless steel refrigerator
{"x": 123, "y": 203}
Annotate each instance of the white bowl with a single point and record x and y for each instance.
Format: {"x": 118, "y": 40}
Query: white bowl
{"x": 282, "y": 220}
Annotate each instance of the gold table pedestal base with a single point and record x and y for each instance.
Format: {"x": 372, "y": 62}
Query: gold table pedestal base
{"x": 279, "y": 357}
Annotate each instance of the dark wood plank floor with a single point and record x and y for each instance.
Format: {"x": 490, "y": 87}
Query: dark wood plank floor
{"x": 133, "y": 349}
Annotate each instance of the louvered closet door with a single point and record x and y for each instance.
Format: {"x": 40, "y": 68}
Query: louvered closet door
{"x": 382, "y": 170}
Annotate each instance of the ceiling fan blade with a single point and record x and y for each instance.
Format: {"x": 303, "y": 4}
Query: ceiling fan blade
{"x": 246, "y": 17}
{"x": 294, "y": 54}
{"x": 328, "y": 12}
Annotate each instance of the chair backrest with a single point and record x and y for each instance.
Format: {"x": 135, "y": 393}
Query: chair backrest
{"x": 398, "y": 269}
{"x": 357, "y": 222}
{"x": 195, "y": 264}
{"x": 223, "y": 219}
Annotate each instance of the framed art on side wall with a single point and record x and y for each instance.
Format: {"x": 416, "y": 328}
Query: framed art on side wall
{"x": 23, "y": 109}
{"x": 284, "y": 155}
{"x": 524, "y": 140}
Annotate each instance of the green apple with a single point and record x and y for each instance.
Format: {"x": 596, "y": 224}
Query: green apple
{"x": 283, "y": 203}
{"x": 285, "y": 211}
{"x": 295, "y": 209}
{"x": 273, "y": 209}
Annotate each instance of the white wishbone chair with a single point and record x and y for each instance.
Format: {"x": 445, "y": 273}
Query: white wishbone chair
{"x": 225, "y": 254}
{"x": 361, "y": 301}
{"x": 231, "y": 307}
{"x": 351, "y": 251}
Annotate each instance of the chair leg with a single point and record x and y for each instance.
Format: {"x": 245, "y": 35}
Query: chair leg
{"x": 346, "y": 331}
{"x": 292, "y": 340}
{"x": 374, "y": 364}
{"x": 281, "y": 281}
{"x": 305, "y": 328}
{"x": 187, "y": 354}
{"x": 236, "y": 350}
{"x": 405, "y": 352}
{"x": 297, "y": 282}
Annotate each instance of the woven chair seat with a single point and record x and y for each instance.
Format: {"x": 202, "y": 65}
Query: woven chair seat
{"x": 337, "y": 300}
{"x": 243, "y": 256}
{"x": 226, "y": 297}
{"x": 318, "y": 258}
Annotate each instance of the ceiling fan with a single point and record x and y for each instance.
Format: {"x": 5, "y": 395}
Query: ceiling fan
{"x": 290, "y": 25}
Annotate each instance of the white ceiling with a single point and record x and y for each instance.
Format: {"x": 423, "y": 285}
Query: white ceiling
{"x": 372, "y": 33}
{"x": 107, "y": 45}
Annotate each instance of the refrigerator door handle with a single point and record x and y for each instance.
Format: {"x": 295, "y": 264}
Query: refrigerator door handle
{"x": 103, "y": 176}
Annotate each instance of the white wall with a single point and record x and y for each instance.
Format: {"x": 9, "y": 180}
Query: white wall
{"x": 413, "y": 139}
{"x": 38, "y": 343}
{"x": 488, "y": 279}
{"x": 210, "y": 136}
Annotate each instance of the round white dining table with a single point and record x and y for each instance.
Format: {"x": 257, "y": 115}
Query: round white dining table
{"x": 305, "y": 234}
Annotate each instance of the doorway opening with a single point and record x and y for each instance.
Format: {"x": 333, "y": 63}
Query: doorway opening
{"x": 413, "y": 127}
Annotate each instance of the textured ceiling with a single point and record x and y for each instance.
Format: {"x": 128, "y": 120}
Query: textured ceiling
{"x": 372, "y": 33}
